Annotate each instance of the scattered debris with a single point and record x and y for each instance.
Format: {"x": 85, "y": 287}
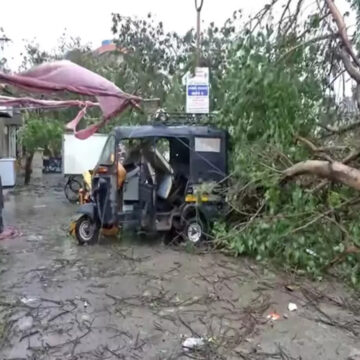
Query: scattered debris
{"x": 85, "y": 318}
{"x": 273, "y": 316}
{"x": 25, "y": 323}
{"x": 292, "y": 306}
{"x": 34, "y": 238}
{"x": 354, "y": 354}
{"x": 193, "y": 343}
{"x": 243, "y": 350}
{"x": 39, "y": 206}
{"x": 29, "y": 300}
{"x": 29, "y": 335}
{"x": 291, "y": 288}
{"x": 9, "y": 233}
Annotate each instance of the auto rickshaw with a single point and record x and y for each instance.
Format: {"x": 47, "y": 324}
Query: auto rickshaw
{"x": 174, "y": 183}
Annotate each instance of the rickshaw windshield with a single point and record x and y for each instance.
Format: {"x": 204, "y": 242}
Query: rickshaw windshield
{"x": 107, "y": 156}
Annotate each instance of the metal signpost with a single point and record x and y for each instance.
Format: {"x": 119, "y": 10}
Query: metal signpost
{"x": 197, "y": 84}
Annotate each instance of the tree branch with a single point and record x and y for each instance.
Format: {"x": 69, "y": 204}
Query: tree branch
{"x": 352, "y": 156}
{"x": 307, "y": 142}
{"x": 333, "y": 171}
{"x": 319, "y": 217}
{"x": 309, "y": 29}
{"x": 286, "y": 8}
{"x": 314, "y": 148}
{"x": 293, "y": 20}
{"x": 308, "y": 42}
{"x": 343, "y": 129}
{"x": 260, "y": 16}
{"x": 350, "y": 68}
{"x": 339, "y": 20}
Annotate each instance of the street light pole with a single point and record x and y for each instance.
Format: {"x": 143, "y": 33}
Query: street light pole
{"x": 198, "y": 7}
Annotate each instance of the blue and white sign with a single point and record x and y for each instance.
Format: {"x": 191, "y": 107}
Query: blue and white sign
{"x": 197, "y": 92}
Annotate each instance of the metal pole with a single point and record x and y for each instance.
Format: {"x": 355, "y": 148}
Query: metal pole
{"x": 198, "y": 8}
{"x": 4, "y": 39}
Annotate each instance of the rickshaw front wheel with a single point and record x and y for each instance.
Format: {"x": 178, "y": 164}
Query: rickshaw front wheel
{"x": 86, "y": 231}
{"x": 194, "y": 230}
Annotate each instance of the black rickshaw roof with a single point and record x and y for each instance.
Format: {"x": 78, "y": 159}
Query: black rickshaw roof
{"x": 131, "y": 132}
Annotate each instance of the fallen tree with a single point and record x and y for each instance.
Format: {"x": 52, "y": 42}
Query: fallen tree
{"x": 283, "y": 74}
{"x": 333, "y": 170}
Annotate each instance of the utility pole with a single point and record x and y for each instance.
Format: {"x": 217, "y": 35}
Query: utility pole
{"x": 197, "y": 83}
{"x": 198, "y": 7}
{"x": 4, "y": 39}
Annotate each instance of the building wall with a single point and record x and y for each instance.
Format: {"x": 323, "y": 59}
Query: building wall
{"x": 8, "y": 128}
{"x": 2, "y": 138}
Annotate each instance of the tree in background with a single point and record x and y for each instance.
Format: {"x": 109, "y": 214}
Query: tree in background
{"x": 44, "y": 129}
{"x": 155, "y": 61}
{"x": 39, "y": 132}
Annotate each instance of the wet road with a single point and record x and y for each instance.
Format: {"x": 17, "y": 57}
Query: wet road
{"x": 132, "y": 299}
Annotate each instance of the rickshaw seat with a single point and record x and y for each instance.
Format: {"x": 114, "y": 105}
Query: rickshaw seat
{"x": 165, "y": 186}
{"x": 131, "y": 186}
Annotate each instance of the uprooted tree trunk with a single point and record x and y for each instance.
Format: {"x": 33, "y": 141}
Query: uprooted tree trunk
{"x": 333, "y": 171}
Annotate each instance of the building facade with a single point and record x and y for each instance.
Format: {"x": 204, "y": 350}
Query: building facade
{"x": 10, "y": 122}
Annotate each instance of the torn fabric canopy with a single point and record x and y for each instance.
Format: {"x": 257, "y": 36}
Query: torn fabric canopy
{"x": 64, "y": 76}
{"x": 28, "y": 102}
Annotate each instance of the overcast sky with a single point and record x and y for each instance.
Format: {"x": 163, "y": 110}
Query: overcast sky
{"x": 46, "y": 20}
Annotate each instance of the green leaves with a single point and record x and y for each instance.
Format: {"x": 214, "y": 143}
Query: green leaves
{"x": 156, "y": 60}
{"x": 41, "y": 133}
{"x": 267, "y": 102}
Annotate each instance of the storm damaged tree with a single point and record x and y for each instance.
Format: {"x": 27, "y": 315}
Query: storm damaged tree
{"x": 345, "y": 58}
{"x": 285, "y": 110}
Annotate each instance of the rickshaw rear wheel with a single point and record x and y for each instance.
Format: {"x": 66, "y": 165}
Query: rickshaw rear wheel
{"x": 86, "y": 231}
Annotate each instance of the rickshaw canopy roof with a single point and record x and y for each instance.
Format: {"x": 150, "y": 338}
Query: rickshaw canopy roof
{"x": 133, "y": 132}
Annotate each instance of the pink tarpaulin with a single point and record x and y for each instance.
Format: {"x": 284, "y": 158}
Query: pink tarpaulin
{"x": 30, "y": 103}
{"x": 64, "y": 76}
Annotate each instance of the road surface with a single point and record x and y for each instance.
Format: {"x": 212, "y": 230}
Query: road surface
{"x": 139, "y": 299}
